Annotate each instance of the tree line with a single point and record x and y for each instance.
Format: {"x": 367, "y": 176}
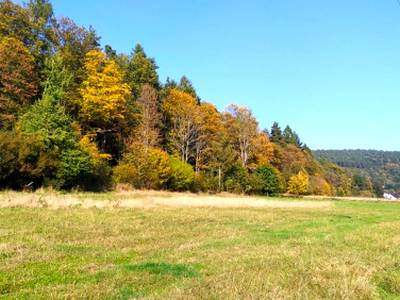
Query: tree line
{"x": 75, "y": 116}
{"x": 382, "y": 167}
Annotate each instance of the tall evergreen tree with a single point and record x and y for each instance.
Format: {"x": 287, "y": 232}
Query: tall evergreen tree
{"x": 276, "y": 135}
{"x": 141, "y": 70}
{"x": 185, "y": 85}
{"x": 291, "y": 137}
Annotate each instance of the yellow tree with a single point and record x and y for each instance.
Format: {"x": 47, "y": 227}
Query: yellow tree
{"x": 298, "y": 184}
{"x": 103, "y": 94}
{"x": 242, "y": 128}
{"x": 210, "y": 127}
{"x": 103, "y": 101}
{"x": 263, "y": 150}
{"x": 183, "y": 113}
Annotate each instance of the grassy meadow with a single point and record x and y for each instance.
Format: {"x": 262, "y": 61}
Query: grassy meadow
{"x": 338, "y": 250}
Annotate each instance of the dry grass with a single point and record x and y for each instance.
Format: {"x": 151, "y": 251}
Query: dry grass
{"x": 344, "y": 250}
{"x": 144, "y": 199}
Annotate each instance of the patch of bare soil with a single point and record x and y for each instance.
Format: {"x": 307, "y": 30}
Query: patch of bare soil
{"x": 56, "y": 201}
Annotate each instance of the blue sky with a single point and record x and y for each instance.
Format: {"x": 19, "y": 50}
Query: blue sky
{"x": 328, "y": 68}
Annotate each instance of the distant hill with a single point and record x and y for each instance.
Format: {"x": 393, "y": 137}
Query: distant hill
{"x": 380, "y": 166}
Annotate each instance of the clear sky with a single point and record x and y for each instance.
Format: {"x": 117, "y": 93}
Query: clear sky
{"x": 328, "y": 68}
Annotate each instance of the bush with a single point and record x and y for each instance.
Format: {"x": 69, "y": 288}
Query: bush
{"x": 271, "y": 179}
{"x": 236, "y": 180}
{"x": 153, "y": 169}
{"x": 181, "y": 176}
{"x": 25, "y": 161}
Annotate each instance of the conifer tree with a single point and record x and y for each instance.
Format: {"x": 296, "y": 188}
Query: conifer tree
{"x": 276, "y": 135}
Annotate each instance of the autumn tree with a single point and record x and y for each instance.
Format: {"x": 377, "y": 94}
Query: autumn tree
{"x": 182, "y": 110}
{"x": 73, "y": 43}
{"x": 210, "y": 127}
{"x": 18, "y": 83}
{"x": 263, "y": 150}
{"x": 318, "y": 186}
{"x": 298, "y": 184}
{"x": 32, "y": 24}
{"x": 42, "y": 30}
{"x": 242, "y": 128}
{"x": 103, "y": 94}
{"x": 147, "y": 131}
{"x": 15, "y": 22}
{"x": 103, "y": 102}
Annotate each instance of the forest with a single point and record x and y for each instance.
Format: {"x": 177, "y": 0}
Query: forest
{"x": 76, "y": 116}
{"x": 382, "y": 167}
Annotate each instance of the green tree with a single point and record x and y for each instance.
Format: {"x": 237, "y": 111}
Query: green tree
{"x": 186, "y": 86}
{"x": 141, "y": 70}
{"x": 182, "y": 175}
{"x": 271, "y": 179}
{"x": 276, "y": 135}
{"x": 291, "y": 137}
{"x": 47, "y": 120}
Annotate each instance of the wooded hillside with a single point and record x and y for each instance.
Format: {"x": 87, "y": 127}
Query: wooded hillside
{"x": 380, "y": 166}
{"x": 76, "y": 116}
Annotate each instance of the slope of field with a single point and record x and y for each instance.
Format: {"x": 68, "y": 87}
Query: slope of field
{"x": 335, "y": 250}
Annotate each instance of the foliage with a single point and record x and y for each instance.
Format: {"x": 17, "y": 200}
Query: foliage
{"x": 18, "y": 84}
{"x": 242, "y": 128}
{"x": 47, "y": 120}
{"x": 103, "y": 93}
{"x": 187, "y": 87}
{"x": 291, "y": 137}
{"x": 144, "y": 168}
{"x": 147, "y": 131}
{"x": 271, "y": 180}
{"x": 237, "y": 180}
{"x": 182, "y": 175}
{"x": 298, "y": 184}
{"x": 377, "y": 166}
{"x": 276, "y": 135}
{"x": 141, "y": 70}
{"x": 182, "y": 110}
{"x": 25, "y": 161}
{"x": 318, "y": 186}
{"x": 78, "y": 111}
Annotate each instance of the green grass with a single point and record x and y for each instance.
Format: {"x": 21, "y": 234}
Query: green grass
{"x": 348, "y": 251}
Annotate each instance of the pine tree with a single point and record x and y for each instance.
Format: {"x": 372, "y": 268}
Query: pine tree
{"x": 276, "y": 135}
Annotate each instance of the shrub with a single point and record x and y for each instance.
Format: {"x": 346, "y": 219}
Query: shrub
{"x": 181, "y": 176}
{"x": 236, "y": 180}
{"x": 141, "y": 168}
{"x": 271, "y": 179}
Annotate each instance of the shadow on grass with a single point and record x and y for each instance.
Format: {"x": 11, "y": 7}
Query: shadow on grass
{"x": 161, "y": 268}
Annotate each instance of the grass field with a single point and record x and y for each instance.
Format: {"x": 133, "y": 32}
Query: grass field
{"x": 331, "y": 249}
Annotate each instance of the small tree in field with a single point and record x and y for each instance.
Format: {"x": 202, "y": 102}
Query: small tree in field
{"x": 298, "y": 184}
